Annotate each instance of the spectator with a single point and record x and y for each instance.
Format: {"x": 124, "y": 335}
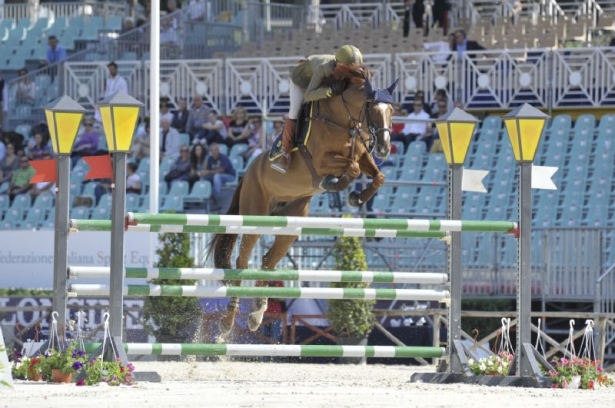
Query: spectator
{"x": 133, "y": 180}
{"x": 141, "y": 143}
{"x": 181, "y": 168}
{"x": 238, "y": 131}
{"x": 418, "y": 11}
{"x": 462, "y": 44}
{"x": 197, "y": 163}
{"x": 180, "y": 117}
{"x": 441, "y": 8}
{"x": 421, "y": 95}
{"x": 39, "y": 148}
{"x": 196, "y": 10}
{"x": 9, "y": 164}
{"x": 255, "y": 140}
{"x": 218, "y": 170}
{"x": 407, "y": 14}
{"x": 55, "y": 52}
{"x": 4, "y": 99}
{"x": 26, "y": 92}
{"x": 170, "y": 141}
{"x": 87, "y": 145}
{"x": 165, "y": 113}
{"x": 212, "y": 131}
{"x": 197, "y": 117}
{"x": 278, "y": 128}
{"x": 20, "y": 181}
{"x": 417, "y": 128}
{"x": 114, "y": 83}
{"x": 168, "y": 32}
{"x": 441, "y": 96}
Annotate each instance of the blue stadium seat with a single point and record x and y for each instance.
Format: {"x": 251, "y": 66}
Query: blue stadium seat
{"x": 34, "y": 218}
{"x": 114, "y": 23}
{"x": 44, "y": 201}
{"x": 14, "y": 216}
{"x": 238, "y": 150}
{"x": 492, "y": 122}
{"x": 101, "y": 213}
{"x": 4, "y": 204}
{"x": 79, "y": 213}
{"x": 173, "y": 203}
{"x": 179, "y": 188}
{"x": 382, "y": 200}
{"x": 22, "y": 202}
{"x": 132, "y": 202}
{"x": 237, "y": 162}
{"x": 184, "y": 139}
{"x": 105, "y": 201}
{"x": 201, "y": 191}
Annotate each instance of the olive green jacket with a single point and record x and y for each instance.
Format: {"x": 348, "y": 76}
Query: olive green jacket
{"x": 310, "y": 73}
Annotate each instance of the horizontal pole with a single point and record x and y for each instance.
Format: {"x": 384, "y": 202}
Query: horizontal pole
{"x": 81, "y": 290}
{"x": 75, "y": 272}
{"x": 317, "y": 222}
{"x": 253, "y": 350}
{"x": 102, "y": 225}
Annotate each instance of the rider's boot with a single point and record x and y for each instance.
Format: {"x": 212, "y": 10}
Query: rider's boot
{"x": 283, "y": 161}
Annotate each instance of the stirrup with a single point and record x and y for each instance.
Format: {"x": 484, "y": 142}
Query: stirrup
{"x": 278, "y": 167}
{"x": 276, "y": 163}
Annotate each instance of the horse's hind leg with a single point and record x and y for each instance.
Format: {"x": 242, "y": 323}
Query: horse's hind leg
{"x": 277, "y": 251}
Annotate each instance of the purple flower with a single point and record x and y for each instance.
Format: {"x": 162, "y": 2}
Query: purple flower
{"x": 81, "y": 353}
{"x": 77, "y": 365}
{"x": 130, "y": 367}
{"x": 80, "y": 382}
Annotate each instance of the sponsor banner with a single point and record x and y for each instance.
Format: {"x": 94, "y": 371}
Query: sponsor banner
{"x": 26, "y": 257}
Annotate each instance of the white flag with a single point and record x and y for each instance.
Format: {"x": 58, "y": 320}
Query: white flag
{"x": 472, "y": 180}
{"x": 541, "y": 177}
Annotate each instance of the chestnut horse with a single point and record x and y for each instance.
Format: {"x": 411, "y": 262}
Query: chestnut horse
{"x": 343, "y": 130}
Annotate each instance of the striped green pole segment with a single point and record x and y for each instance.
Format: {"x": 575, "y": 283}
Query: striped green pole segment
{"x": 253, "y": 350}
{"x": 316, "y": 222}
{"x": 253, "y": 274}
{"x": 98, "y": 225}
{"x": 264, "y": 292}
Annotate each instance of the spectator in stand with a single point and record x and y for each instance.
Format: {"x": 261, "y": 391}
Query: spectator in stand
{"x": 238, "y": 131}
{"x": 114, "y": 83}
{"x": 133, "y": 180}
{"x": 165, "y": 113}
{"x": 141, "y": 143}
{"x": 180, "y": 171}
{"x": 278, "y": 128}
{"x": 168, "y": 32}
{"x": 441, "y": 8}
{"x": 417, "y": 128}
{"x": 55, "y": 52}
{"x": 197, "y": 118}
{"x": 197, "y": 10}
{"x": 198, "y": 157}
{"x": 421, "y": 95}
{"x": 441, "y": 96}
{"x": 4, "y": 99}
{"x": 218, "y": 170}
{"x": 407, "y": 14}
{"x": 9, "y": 164}
{"x": 25, "y": 93}
{"x": 462, "y": 44}
{"x": 180, "y": 117}
{"x": 169, "y": 142}
{"x": 255, "y": 140}
{"x": 39, "y": 147}
{"x": 212, "y": 131}
{"x": 418, "y": 11}
{"x": 20, "y": 181}
{"x": 87, "y": 145}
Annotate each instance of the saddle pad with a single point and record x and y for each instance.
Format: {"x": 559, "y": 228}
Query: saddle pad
{"x": 302, "y": 132}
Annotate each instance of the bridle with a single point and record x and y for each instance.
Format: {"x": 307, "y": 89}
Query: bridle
{"x": 356, "y": 125}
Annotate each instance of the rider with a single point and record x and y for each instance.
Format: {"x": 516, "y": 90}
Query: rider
{"x": 306, "y": 80}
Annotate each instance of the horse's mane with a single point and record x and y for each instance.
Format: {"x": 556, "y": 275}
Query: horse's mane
{"x": 354, "y": 74}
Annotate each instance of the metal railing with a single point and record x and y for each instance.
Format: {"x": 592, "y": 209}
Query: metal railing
{"x": 50, "y": 11}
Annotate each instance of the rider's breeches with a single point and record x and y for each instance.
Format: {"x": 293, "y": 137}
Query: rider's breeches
{"x": 296, "y": 100}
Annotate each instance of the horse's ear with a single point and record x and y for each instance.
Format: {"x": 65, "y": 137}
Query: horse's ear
{"x": 369, "y": 92}
{"x": 393, "y": 86}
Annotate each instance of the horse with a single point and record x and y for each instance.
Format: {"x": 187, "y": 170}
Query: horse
{"x": 343, "y": 129}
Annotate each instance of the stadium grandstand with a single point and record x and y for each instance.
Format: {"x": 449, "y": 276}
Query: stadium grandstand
{"x": 235, "y": 56}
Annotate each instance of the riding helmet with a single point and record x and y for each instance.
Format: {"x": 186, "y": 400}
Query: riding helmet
{"x": 349, "y": 54}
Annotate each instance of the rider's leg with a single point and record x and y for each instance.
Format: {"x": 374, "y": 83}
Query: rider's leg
{"x": 296, "y": 100}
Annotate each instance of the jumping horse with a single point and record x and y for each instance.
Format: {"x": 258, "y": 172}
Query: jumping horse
{"x": 343, "y": 130}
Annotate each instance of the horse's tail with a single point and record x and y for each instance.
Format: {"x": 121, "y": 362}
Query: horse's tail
{"x": 221, "y": 245}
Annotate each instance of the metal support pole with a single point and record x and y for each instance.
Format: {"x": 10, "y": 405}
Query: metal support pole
{"x": 454, "y": 267}
{"x": 60, "y": 258}
{"x": 118, "y": 210}
{"x": 524, "y": 288}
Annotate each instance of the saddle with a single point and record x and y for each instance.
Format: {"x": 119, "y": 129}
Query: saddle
{"x": 302, "y": 132}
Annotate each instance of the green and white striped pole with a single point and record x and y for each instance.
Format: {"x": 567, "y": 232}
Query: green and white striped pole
{"x": 317, "y": 222}
{"x": 83, "y": 290}
{"x": 253, "y": 350}
{"x": 88, "y": 272}
{"x": 102, "y": 225}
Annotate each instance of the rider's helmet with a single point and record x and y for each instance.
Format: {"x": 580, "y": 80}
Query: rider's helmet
{"x": 349, "y": 54}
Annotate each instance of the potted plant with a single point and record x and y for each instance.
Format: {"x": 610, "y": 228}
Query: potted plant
{"x": 352, "y": 320}
{"x": 30, "y": 368}
{"x": 165, "y": 317}
{"x": 577, "y": 372}
{"x": 109, "y": 372}
{"x": 60, "y": 365}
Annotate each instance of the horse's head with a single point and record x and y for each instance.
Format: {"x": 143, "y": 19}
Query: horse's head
{"x": 379, "y": 107}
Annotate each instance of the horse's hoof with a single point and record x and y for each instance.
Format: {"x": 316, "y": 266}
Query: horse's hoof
{"x": 329, "y": 183}
{"x": 354, "y": 199}
{"x": 226, "y": 325}
{"x": 254, "y": 320}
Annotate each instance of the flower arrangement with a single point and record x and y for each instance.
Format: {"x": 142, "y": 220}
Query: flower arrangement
{"x": 494, "y": 365}
{"x": 110, "y": 372}
{"x": 68, "y": 361}
{"x": 580, "y": 373}
{"x": 27, "y": 367}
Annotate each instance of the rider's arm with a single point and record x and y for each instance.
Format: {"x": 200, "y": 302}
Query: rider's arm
{"x": 314, "y": 92}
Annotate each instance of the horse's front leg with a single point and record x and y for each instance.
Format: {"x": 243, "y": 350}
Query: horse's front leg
{"x": 369, "y": 168}
{"x": 351, "y": 170}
